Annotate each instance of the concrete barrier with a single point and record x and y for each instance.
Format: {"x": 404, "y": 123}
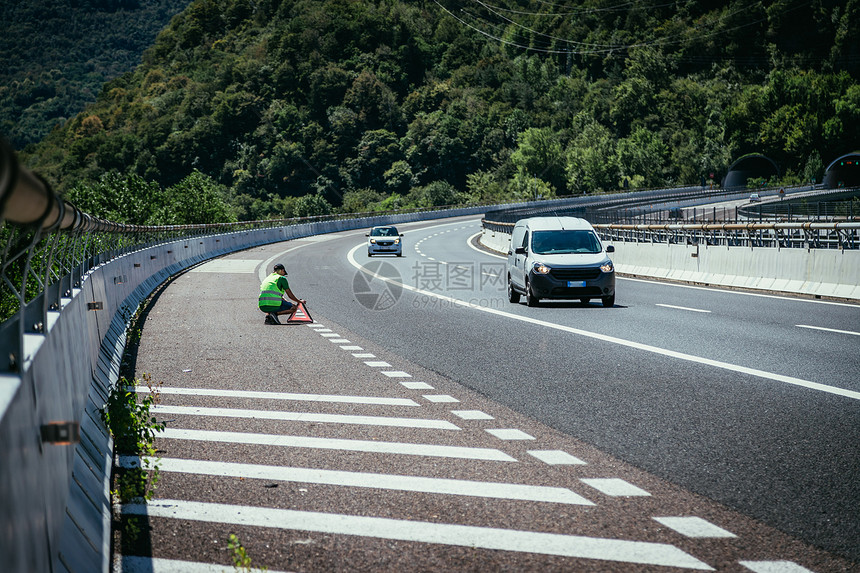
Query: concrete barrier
{"x": 831, "y": 273}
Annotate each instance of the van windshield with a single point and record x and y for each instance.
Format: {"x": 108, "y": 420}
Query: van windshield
{"x": 564, "y": 242}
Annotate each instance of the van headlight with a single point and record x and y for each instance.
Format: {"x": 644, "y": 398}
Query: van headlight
{"x": 396, "y": 241}
{"x": 541, "y": 268}
{"x": 607, "y": 267}
{"x": 372, "y": 241}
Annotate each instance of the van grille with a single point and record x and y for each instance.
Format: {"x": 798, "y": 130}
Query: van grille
{"x": 580, "y": 274}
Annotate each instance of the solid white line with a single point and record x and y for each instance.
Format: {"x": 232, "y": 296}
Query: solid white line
{"x": 138, "y": 564}
{"x": 828, "y": 329}
{"x": 336, "y": 398}
{"x": 496, "y": 490}
{"x": 423, "y": 532}
{"x": 305, "y": 417}
{"x": 615, "y": 340}
{"x": 430, "y": 450}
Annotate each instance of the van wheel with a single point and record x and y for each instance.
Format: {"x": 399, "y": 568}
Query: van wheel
{"x": 531, "y": 299}
{"x": 513, "y": 296}
{"x": 609, "y": 301}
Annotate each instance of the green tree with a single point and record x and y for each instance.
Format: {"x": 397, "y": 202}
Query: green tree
{"x": 641, "y": 157}
{"x": 119, "y": 198}
{"x": 539, "y": 154}
{"x": 592, "y": 163}
{"x": 197, "y": 199}
{"x": 311, "y": 206}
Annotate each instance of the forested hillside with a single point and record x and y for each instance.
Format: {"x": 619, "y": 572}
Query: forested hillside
{"x": 297, "y": 107}
{"x": 55, "y": 55}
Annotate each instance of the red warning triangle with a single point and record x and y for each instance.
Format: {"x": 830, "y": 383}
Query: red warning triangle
{"x": 301, "y": 315}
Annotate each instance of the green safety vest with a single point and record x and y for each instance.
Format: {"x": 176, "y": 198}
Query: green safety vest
{"x": 271, "y": 294}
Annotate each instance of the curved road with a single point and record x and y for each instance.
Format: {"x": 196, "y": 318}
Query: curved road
{"x": 751, "y": 400}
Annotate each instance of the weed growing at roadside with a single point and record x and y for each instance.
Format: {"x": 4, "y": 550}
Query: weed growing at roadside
{"x": 241, "y": 559}
{"x": 133, "y": 430}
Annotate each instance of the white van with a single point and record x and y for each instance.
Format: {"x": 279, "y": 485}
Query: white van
{"x": 559, "y": 258}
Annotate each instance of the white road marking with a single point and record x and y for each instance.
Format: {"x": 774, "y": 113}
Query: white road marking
{"x": 615, "y": 340}
{"x": 329, "y": 334}
{"x": 828, "y": 329}
{"x": 137, "y": 564}
{"x": 431, "y": 450}
{"x": 682, "y": 308}
{"x": 616, "y": 550}
{"x": 339, "y": 341}
{"x": 305, "y": 417}
{"x": 397, "y": 374}
{"x": 337, "y": 398}
{"x": 472, "y": 415}
{"x": 440, "y": 398}
{"x": 444, "y": 486}
{"x": 417, "y": 385}
{"x": 353, "y": 348}
{"x": 364, "y": 355}
{"x": 378, "y": 364}
{"x": 694, "y": 527}
{"x": 774, "y": 567}
{"x": 323, "y": 330}
{"x": 557, "y": 458}
{"x": 614, "y": 487}
{"x": 509, "y": 434}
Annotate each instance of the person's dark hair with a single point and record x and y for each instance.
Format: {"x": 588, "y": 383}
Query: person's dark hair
{"x": 279, "y": 267}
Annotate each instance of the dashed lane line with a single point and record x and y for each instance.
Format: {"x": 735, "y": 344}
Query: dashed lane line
{"x": 334, "y": 398}
{"x": 683, "y": 308}
{"x": 378, "y": 447}
{"x": 444, "y": 486}
{"x": 306, "y": 417}
{"x": 616, "y": 550}
{"x": 836, "y": 330}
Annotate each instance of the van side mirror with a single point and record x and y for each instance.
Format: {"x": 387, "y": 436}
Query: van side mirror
{"x": 520, "y": 250}
{"x": 610, "y": 249}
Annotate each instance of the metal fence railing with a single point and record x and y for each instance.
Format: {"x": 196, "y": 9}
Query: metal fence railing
{"x": 801, "y": 222}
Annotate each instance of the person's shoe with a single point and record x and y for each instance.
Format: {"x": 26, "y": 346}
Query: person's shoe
{"x": 274, "y": 318}
{"x": 268, "y": 319}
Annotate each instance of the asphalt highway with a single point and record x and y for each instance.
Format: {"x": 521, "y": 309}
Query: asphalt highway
{"x": 730, "y": 421}
{"x": 782, "y": 452}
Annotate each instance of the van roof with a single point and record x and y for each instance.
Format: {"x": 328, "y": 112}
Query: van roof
{"x": 555, "y": 223}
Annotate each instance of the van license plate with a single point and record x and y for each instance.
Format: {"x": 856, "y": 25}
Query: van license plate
{"x": 571, "y": 284}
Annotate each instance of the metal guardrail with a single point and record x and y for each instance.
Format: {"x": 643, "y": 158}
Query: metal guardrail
{"x": 749, "y": 227}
